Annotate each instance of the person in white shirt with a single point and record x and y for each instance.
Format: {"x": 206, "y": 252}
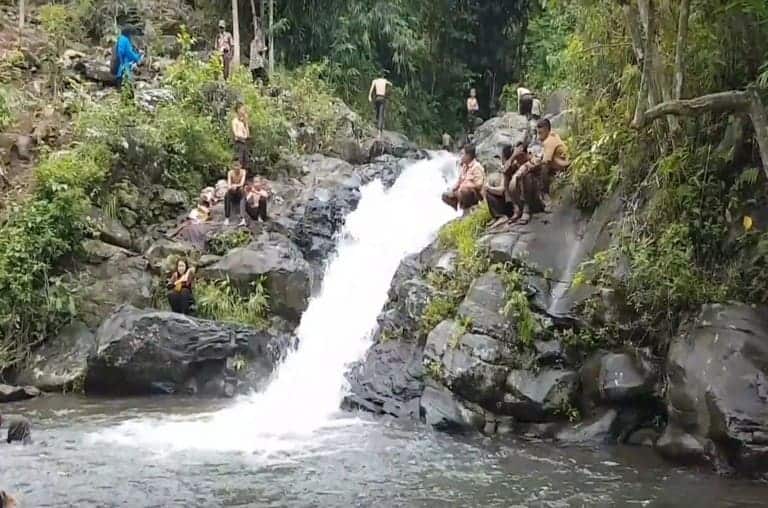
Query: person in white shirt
{"x": 473, "y": 109}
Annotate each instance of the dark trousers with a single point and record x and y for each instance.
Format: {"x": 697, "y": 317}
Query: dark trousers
{"x": 527, "y": 193}
{"x": 233, "y": 197}
{"x": 464, "y": 198}
{"x": 260, "y": 74}
{"x": 380, "y": 104}
{"x": 241, "y": 149}
{"x": 498, "y": 205}
{"x": 181, "y": 301}
{"x": 257, "y": 212}
{"x": 471, "y": 121}
{"x": 526, "y": 105}
{"x": 226, "y": 58}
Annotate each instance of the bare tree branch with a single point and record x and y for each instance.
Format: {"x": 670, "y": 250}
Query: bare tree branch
{"x": 739, "y": 101}
{"x": 647, "y": 78}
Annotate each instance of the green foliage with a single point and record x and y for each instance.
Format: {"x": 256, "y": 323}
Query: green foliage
{"x": 518, "y": 306}
{"x": 220, "y": 301}
{"x": 460, "y": 235}
{"x": 230, "y": 239}
{"x": 5, "y": 111}
{"x": 434, "y": 370}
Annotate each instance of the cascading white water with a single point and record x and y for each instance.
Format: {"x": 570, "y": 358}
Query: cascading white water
{"x": 335, "y": 330}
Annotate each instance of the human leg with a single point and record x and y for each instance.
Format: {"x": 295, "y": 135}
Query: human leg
{"x": 450, "y": 199}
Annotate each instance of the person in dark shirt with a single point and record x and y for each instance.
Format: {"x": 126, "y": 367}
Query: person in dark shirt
{"x": 180, "y": 285}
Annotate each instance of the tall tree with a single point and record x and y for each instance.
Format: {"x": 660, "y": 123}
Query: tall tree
{"x": 236, "y": 34}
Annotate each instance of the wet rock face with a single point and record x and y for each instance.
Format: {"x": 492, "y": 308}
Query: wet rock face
{"x": 151, "y": 352}
{"x": 717, "y": 397}
{"x": 60, "y": 364}
{"x": 10, "y": 393}
{"x": 495, "y": 134}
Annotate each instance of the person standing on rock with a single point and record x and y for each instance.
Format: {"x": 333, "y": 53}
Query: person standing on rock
{"x": 524, "y": 102}
{"x": 473, "y": 110}
{"x": 225, "y": 45}
{"x": 126, "y": 57}
{"x": 19, "y": 429}
{"x": 241, "y": 131}
{"x": 235, "y": 193}
{"x": 468, "y": 189}
{"x": 378, "y": 96}
{"x": 447, "y": 142}
{"x": 180, "y": 286}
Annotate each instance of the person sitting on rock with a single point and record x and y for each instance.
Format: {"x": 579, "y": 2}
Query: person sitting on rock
{"x": 202, "y": 212}
{"x": 7, "y": 500}
{"x": 241, "y": 131}
{"x": 553, "y": 160}
{"x": 499, "y": 203}
{"x": 127, "y": 56}
{"x": 235, "y": 193}
{"x": 468, "y": 189}
{"x": 180, "y": 286}
{"x": 256, "y": 199}
{"x": 19, "y": 429}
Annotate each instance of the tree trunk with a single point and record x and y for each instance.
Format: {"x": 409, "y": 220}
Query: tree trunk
{"x": 631, "y": 17}
{"x": 748, "y": 102}
{"x": 236, "y": 35}
{"x": 682, "y": 42}
{"x": 646, "y": 81}
{"x": 22, "y": 14}
{"x": 255, "y": 17}
{"x": 271, "y": 37}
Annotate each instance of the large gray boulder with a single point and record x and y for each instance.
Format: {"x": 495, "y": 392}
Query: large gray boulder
{"x": 539, "y": 396}
{"x": 110, "y": 229}
{"x": 60, "y": 363}
{"x": 390, "y": 380}
{"x": 483, "y": 307}
{"x": 10, "y": 393}
{"x": 717, "y": 397}
{"x": 149, "y": 352}
{"x": 276, "y": 259}
{"x": 609, "y": 378}
{"x": 492, "y": 136}
{"x": 120, "y": 278}
{"x": 443, "y": 410}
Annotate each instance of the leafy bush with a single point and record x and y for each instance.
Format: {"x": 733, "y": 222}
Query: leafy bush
{"x": 220, "y": 301}
{"x": 518, "y": 306}
{"x": 231, "y": 239}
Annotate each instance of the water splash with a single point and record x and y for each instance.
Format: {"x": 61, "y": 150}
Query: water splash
{"x": 335, "y": 330}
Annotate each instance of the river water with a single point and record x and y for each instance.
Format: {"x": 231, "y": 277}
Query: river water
{"x": 291, "y": 446}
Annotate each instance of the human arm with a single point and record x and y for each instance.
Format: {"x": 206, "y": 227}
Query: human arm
{"x": 474, "y": 177}
{"x": 370, "y": 92}
{"x": 127, "y": 52}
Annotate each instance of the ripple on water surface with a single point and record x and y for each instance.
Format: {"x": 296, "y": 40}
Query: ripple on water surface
{"x": 363, "y": 462}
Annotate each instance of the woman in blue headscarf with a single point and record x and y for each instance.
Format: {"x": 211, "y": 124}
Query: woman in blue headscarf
{"x": 127, "y": 56}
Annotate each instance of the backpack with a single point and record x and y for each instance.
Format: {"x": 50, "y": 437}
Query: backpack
{"x": 114, "y": 62}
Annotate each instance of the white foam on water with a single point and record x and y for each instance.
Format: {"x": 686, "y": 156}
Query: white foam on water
{"x": 335, "y": 330}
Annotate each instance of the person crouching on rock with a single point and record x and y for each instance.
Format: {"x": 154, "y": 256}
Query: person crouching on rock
{"x": 256, "y": 199}
{"x": 7, "y": 501}
{"x": 19, "y": 429}
{"x": 468, "y": 189}
{"x": 553, "y": 160}
{"x": 180, "y": 286}
{"x": 235, "y": 193}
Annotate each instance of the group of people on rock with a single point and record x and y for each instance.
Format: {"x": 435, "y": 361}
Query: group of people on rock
{"x": 527, "y": 178}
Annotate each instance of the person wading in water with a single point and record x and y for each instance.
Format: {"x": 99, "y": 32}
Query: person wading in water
{"x": 378, "y": 96}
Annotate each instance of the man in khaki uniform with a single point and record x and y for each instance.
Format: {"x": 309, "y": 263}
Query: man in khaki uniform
{"x": 468, "y": 190}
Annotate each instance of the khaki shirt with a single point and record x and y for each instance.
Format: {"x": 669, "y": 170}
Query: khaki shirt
{"x": 555, "y": 150}
{"x": 472, "y": 175}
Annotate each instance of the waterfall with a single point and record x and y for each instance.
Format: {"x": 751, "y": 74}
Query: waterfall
{"x": 335, "y": 330}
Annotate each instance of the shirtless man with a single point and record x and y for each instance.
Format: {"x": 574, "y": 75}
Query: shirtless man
{"x": 7, "y": 500}
{"x": 524, "y": 102}
{"x": 378, "y": 96}
{"x": 473, "y": 108}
